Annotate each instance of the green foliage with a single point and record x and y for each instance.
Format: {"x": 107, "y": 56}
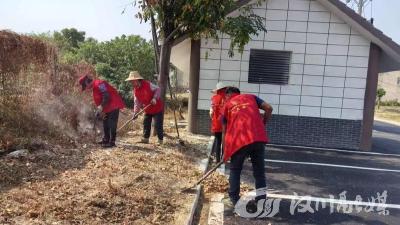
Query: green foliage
{"x": 390, "y": 103}
{"x": 112, "y": 59}
{"x": 380, "y": 93}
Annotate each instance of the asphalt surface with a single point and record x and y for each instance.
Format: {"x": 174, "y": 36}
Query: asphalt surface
{"x": 326, "y": 174}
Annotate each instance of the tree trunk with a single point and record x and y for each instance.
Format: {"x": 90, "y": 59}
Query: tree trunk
{"x": 165, "y": 56}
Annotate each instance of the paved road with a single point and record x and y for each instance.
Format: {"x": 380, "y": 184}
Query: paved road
{"x": 321, "y": 173}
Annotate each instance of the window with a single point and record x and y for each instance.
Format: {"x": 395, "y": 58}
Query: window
{"x": 269, "y": 67}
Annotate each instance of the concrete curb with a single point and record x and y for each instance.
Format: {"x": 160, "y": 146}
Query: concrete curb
{"x": 387, "y": 121}
{"x": 199, "y": 188}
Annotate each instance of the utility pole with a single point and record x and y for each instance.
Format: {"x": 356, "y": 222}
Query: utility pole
{"x": 359, "y": 5}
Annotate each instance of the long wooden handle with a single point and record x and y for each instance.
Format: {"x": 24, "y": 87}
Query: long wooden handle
{"x": 130, "y": 120}
{"x": 209, "y": 173}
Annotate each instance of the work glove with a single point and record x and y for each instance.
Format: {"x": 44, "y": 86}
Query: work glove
{"x": 99, "y": 113}
{"x": 153, "y": 101}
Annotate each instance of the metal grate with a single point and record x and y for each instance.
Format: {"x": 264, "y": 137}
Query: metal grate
{"x": 269, "y": 67}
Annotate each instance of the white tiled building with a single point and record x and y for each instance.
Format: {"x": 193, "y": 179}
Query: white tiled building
{"x": 329, "y": 75}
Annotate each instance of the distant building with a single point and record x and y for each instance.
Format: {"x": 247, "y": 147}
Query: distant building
{"x": 391, "y": 83}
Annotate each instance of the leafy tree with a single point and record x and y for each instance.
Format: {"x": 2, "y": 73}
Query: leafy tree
{"x": 379, "y": 94}
{"x": 69, "y": 38}
{"x": 198, "y": 19}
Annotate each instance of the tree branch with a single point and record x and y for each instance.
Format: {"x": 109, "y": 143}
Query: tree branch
{"x": 172, "y": 34}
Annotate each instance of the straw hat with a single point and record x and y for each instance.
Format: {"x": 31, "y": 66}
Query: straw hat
{"x": 134, "y": 75}
{"x": 220, "y": 85}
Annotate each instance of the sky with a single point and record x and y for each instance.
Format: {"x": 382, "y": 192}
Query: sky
{"x": 102, "y": 19}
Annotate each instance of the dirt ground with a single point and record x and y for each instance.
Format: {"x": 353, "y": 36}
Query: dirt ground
{"x": 391, "y": 113}
{"x": 130, "y": 184}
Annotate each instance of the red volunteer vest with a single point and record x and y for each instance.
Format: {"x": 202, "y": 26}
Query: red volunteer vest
{"x": 144, "y": 94}
{"x": 115, "y": 101}
{"x": 217, "y": 104}
{"x": 244, "y": 124}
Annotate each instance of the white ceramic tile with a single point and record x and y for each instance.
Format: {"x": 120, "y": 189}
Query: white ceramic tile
{"x": 315, "y": 60}
{"x": 295, "y": 37}
{"x": 207, "y": 84}
{"x": 357, "y": 61}
{"x": 310, "y": 101}
{"x": 337, "y": 49}
{"x": 296, "y": 68}
{"x": 355, "y": 82}
{"x": 299, "y": 5}
{"x": 334, "y": 81}
{"x": 270, "y": 88}
{"x": 311, "y": 91}
{"x": 226, "y": 43}
{"x": 313, "y": 70}
{"x": 203, "y": 104}
{"x": 246, "y": 56}
{"x": 313, "y": 38}
{"x": 332, "y": 102}
{"x": 231, "y": 83}
{"x": 290, "y": 100}
{"x": 312, "y": 80}
{"x": 277, "y": 25}
{"x": 295, "y": 79}
{"x": 357, "y": 72}
{"x": 274, "y": 45}
{"x": 244, "y": 76}
{"x": 273, "y": 14}
{"x": 335, "y": 19}
{"x": 352, "y": 114}
{"x": 359, "y": 40}
{"x": 278, "y": 36}
{"x": 230, "y": 65}
{"x": 289, "y": 110}
{"x": 339, "y": 28}
{"x": 319, "y": 16}
{"x": 298, "y": 58}
{"x": 316, "y": 49}
{"x": 244, "y": 66}
{"x": 298, "y": 15}
{"x": 277, "y": 4}
{"x": 296, "y": 26}
{"x": 317, "y": 7}
{"x": 338, "y": 39}
{"x": 291, "y": 90}
{"x": 310, "y": 111}
{"x": 314, "y": 27}
{"x": 359, "y": 51}
{"x": 353, "y": 103}
{"x": 230, "y": 75}
{"x": 335, "y": 71}
{"x": 295, "y": 48}
{"x": 336, "y": 60}
{"x": 205, "y": 94}
{"x": 270, "y": 98}
{"x": 332, "y": 92}
{"x": 209, "y": 74}
{"x": 254, "y": 45}
{"x": 354, "y": 93}
{"x": 333, "y": 113}
{"x": 244, "y": 86}
{"x": 209, "y": 64}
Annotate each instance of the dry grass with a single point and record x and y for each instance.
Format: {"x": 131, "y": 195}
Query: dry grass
{"x": 133, "y": 184}
{"x": 391, "y": 113}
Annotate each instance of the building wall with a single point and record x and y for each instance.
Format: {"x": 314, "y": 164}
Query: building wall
{"x": 179, "y": 57}
{"x": 327, "y": 75}
{"x": 391, "y": 83}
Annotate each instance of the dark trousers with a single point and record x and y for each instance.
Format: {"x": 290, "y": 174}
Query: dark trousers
{"x": 158, "y": 124}
{"x": 110, "y": 124}
{"x": 256, "y": 151}
{"x": 216, "y": 147}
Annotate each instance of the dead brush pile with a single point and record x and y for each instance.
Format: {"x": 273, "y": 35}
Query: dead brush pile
{"x": 39, "y": 98}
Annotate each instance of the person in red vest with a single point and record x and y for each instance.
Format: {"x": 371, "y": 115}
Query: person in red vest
{"x": 245, "y": 136}
{"x": 108, "y": 103}
{"x": 147, "y": 96}
{"x": 217, "y": 103}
